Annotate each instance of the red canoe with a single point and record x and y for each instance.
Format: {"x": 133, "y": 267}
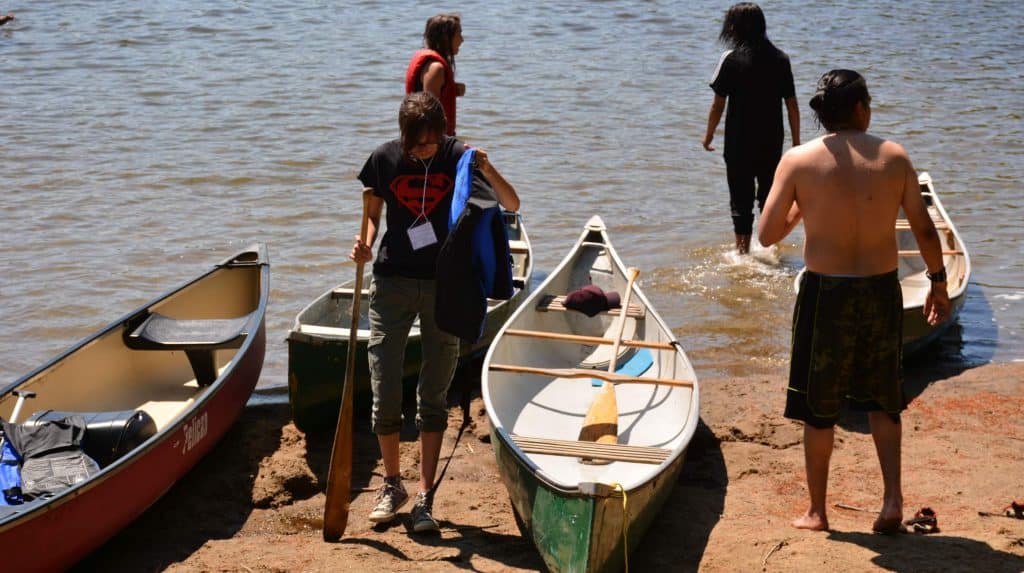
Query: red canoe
{"x": 166, "y": 381}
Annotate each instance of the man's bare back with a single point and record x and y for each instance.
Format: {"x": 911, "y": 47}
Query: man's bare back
{"x": 848, "y": 187}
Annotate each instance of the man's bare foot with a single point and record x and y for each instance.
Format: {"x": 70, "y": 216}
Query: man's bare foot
{"x": 810, "y": 521}
{"x": 5, "y": 18}
{"x": 888, "y": 526}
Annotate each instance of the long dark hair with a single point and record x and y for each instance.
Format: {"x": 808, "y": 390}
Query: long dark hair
{"x": 838, "y": 93}
{"x": 744, "y": 27}
{"x": 439, "y": 32}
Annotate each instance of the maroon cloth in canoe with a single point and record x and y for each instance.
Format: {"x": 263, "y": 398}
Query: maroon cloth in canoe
{"x": 591, "y": 300}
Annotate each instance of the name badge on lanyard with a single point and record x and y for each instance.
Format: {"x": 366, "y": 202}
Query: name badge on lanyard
{"x": 421, "y": 235}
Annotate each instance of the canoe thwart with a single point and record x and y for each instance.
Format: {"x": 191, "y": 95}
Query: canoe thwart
{"x": 557, "y": 303}
{"x": 588, "y": 373}
{"x": 346, "y": 292}
{"x": 915, "y": 253}
{"x": 903, "y": 224}
{"x": 592, "y": 450}
{"x": 197, "y": 337}
{"x": 588, "y": 339}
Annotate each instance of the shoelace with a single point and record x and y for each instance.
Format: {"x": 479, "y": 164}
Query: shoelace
{"x": 384, "y": 491}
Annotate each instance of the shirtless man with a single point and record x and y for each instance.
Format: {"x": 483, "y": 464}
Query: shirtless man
{"x": 848, "y": 186}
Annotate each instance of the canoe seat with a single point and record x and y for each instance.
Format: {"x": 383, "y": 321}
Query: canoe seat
{"x": 592, "y": 450}
{"x": 518, "y": 247}
{"x": 198, "y": 338}
{"x": 557, "y": 303}
{"x": 346, "y": 292}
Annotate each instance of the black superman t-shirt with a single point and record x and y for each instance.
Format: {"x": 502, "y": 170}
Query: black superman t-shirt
{"x": 410, "y": 187}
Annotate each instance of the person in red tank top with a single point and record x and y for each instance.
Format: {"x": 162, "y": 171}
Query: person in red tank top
{"x": 432, "y": 68}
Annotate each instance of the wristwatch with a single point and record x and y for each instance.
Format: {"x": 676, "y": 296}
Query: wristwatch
{"x": 938, "y": 276}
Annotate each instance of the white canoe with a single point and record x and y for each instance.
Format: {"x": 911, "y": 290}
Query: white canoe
{"x": 536, "y": 401}
{"x": 917, "y": 333}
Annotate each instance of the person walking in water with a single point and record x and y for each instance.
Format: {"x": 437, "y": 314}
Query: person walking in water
{"x": 754, "y": 78}
{"x": 432, "y": 68}
{"x": 848, "y": 187}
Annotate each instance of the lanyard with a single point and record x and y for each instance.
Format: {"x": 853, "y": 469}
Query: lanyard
{"x": 423, "y": 198}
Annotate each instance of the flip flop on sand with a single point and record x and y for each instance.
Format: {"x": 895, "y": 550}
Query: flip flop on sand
{"x": 1014, "y": 510}
{"x": 924, "y": 521}
{"x": 890, "y": 526}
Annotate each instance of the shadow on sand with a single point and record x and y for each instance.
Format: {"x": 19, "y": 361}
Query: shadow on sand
{"x": 679, "y": 534}
{"x": 214, "y": 499}
{"x": 920, "y": 553}
{"x": 509, "y": 550}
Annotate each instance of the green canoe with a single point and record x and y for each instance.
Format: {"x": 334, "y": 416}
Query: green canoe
{"x": 318, "y": 341}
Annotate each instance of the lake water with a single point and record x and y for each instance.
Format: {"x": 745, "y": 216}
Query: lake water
{"x": 143, "y": 142}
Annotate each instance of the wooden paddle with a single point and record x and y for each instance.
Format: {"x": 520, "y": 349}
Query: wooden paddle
{"x": 339, "y": 476}
{"x": 602, "y": 421}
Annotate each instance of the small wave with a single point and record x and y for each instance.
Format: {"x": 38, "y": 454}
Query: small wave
{"x": 1011, "y": 297}
{"x": 761, "y": 260}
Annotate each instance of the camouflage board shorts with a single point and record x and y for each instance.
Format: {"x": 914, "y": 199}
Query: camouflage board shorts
{"x": 847, "y": 348}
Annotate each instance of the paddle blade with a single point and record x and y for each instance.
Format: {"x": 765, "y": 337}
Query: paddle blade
{"x": 601, "y": 424}
{"x": 339, "y": 476}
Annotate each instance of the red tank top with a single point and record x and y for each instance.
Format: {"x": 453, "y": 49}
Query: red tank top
{"x": 412, "y": 77}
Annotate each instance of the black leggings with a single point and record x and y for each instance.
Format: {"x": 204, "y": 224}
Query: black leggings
{"x": 741, "y": 176}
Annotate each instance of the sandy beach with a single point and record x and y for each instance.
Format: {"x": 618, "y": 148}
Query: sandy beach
{"x": 256, "y": 502}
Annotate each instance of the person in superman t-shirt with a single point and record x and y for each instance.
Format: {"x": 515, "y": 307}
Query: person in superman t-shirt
{"x": 414, "y": 177}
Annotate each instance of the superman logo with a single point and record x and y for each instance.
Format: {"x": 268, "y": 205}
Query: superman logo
{"x": 409, "y": 191}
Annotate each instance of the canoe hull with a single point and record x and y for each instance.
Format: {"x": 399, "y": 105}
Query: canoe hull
{"x": 316, "y": 374}
{"x": 918, "y": 334}
{"x": 576, "y": 533}
{"x": 318, "y": 343}
{"x": 54, "y": 535}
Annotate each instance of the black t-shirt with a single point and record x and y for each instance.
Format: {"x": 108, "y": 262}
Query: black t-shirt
{"x": 755, "y": 81}
{"x": 410, "y": 187}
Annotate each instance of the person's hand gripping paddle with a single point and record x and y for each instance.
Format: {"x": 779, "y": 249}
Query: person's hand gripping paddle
{"x": 339, "y": 476}
{"x": 601, "y": 423}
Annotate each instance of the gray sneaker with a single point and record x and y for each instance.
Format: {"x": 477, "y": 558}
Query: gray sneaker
{"x": 390, "y": 498}
{"x": 422, "y": 513}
